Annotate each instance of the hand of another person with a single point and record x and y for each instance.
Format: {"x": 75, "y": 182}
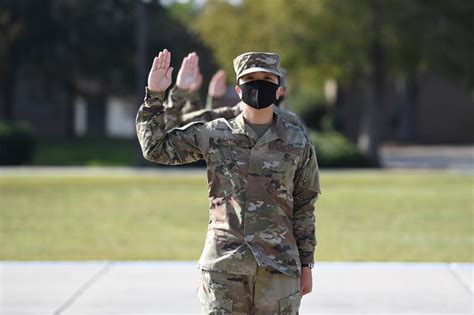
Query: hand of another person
{"x": 197, "y": 82}
{"x": 217, "y": 86}
{"x": 188, "y": 72}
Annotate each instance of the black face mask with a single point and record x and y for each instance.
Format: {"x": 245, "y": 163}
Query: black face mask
{"x": 279, "y": 100}
{"x": 259, "y": 93}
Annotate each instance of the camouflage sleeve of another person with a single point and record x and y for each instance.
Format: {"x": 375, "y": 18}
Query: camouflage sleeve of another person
{"x": 193, "y": 103}
{"x": 212, "y": 102}
{"x": 175, "y": 103}
{"x": 164, "y": 146}
{"x": 305, "y": 193}
{"x": 211, "y": 114}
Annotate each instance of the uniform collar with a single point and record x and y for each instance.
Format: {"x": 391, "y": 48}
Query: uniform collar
{"x": 276, "y": 130}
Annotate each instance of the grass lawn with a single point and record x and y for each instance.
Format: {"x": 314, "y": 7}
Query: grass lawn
{"x": 361, "y": 216}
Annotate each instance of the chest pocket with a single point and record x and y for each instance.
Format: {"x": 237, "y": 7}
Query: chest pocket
{"x": 280, "y": 163}
{"x": 228, "y": 164}
{"x": 229, "y": 152}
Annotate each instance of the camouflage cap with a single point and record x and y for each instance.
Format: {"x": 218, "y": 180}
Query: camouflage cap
{"x": 257, "y": 61}
{"x": 283, "y": 80}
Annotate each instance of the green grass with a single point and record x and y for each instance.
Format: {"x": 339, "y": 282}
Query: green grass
{"x": 361, "y": 216}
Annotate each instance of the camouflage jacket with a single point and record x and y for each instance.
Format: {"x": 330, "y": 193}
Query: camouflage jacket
{"x": 178, "y": 100}
{"x": 261, "y": 191}
{"x": 193, "y": 103}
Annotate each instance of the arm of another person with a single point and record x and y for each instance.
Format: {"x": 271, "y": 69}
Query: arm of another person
{"x": 194, "y": 102}
{"x": 211, "y": 114}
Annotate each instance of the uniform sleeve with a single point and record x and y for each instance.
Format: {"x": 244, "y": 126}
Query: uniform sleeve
{"x": 163, "y": 145}
{"x": 212, "y": 102}
{"x": 177, "y": 99}
{"x": 305, "y": 193}
{"x": 211, "y": 114}
{"x": 193, "y": 103}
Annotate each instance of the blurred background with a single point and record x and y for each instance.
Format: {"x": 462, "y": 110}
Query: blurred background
{"x": 382, "y": 84}
{"x": 365, "y": 76}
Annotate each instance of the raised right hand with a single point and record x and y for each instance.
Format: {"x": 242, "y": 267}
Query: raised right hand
{"x": 188, "y": 71}
{"x": 159, "y": 78}
{"x": 217, "y": 86}
{"x": 197, "y": 82}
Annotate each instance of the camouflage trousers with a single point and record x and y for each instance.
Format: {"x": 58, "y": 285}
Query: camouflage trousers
{"x": 262, "y": 293}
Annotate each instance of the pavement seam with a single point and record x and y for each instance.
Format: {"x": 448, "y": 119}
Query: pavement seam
{"x": 454, "y": 270}
{"x": 105, "y": 268}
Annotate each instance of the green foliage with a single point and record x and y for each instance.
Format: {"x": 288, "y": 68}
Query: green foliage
{"x": 334, "y": 150}
{"x": 320, "y": 39}
{"x": 87, "y": 151}
{"x": 17, "y": 143}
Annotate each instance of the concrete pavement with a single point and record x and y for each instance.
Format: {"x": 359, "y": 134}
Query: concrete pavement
{"x": 161, "y": 287}
{"x": 456, "y": 157}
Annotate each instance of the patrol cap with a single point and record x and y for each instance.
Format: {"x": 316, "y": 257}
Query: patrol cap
{"x": 284, "y": 75}
{"x": 250, "y": 62}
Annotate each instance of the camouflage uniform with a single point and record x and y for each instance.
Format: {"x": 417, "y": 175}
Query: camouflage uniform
{"x": 225, "y": 293}
{"x": 262, "y": 193}
{"x": 192, "y": 103}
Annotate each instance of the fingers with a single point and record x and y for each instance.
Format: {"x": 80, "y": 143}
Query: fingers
{"x": 167, "y": 58}
{"x": 221, "y": 77}
{"x": 220, "y": 73}
{"x": 155, "y": 64}
{"x": 305, "y": 290}
{"x": 190, "y": 64}
{"x": 162, "y": 61}
{"x": 193, "y": 61}
{"x": 169, "y": 73}
{"x": 218, "y": 77}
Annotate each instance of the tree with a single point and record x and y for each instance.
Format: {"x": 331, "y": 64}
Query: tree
{"x": 358, "y": 43}
{"x": 87, "y": 48}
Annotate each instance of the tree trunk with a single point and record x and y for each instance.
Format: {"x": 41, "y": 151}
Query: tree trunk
{"x": 369, "y": 135}
{"x": 409, "y": 90}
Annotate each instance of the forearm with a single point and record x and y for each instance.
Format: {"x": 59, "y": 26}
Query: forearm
{"x": 211, "y": 114}
{"x": 158, "y": 143}
{"x": 150, "y": 121}
{"x": 177, "y": 99}
{"x": 212, "y": 102}
{"x": 193, "y": 104}
{"x": 304, "y": 227}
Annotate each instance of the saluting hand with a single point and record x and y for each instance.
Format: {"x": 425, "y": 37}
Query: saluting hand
{"x": 217, "y": 86}
{"x": 188, "y": 71}
{"x": 159, "y": 78}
